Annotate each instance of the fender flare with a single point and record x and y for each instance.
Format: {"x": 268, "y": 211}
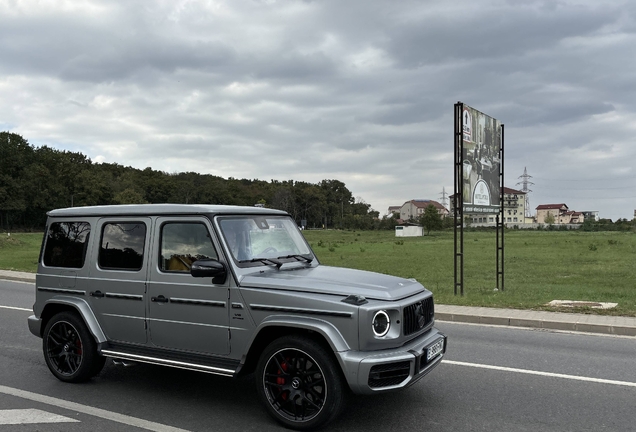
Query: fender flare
{"x": 326, "y": 329}
{"x": 83, "y": 309}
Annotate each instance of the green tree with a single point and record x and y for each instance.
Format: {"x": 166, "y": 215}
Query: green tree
{"x": 16, "y": 154}
{"x": 387, "y": 222}
{"x": 130, "y": 196}
{"x": 36, "y": 180}
{"x": 549, "y": 219}
{"x": 431, "y": 219}
{"x": 589, "y": 225}
{"x": 339, "y": 200}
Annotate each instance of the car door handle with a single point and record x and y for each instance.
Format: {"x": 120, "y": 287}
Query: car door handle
{"x": 98, "y": 294}
{"x": 160, "y": 299}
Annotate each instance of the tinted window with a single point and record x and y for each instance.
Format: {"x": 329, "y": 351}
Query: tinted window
{"x": 184, "y": 243}
{"x": 66, "y": 244}
{"x": 122, "y": 246}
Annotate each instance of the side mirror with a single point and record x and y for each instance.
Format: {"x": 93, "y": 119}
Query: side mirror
{"x": 209, "y": 268}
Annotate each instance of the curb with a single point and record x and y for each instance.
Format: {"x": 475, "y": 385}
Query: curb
{"x": 18, "y": 277}
{"x": 609, "y": 325}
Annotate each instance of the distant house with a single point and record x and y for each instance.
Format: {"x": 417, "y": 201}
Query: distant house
{"x": 560, "y": 212}
{"x": 555, "y": 210}
{"x": 413, "y": 209}
{"x": 592, "y": 215}
{"x": 514, "y": 209}
{"x": 514, "y": 204}
{"x": 409, "y": 230}
{"x": 572, "y": 217}
{"x": 394, "y": 211}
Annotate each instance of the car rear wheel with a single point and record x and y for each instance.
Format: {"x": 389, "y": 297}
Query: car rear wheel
{"x": 70, "y": 351}
{"x": 299, "y": 383}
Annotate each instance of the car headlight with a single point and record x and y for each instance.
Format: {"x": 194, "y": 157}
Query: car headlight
{"x": 381, "y": 323}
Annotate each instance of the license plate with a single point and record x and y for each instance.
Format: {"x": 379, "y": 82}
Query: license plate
{"x": 434, "y": 350}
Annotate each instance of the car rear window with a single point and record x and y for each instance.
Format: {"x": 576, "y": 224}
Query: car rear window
{"x": 66, "y": 244}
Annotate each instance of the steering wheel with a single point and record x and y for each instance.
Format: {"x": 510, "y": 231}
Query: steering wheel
{"x": 269, "y": 250}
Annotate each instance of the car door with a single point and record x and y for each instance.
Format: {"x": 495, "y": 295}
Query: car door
{"x": 117, "y": 277}
{"x": 186, "y": 313}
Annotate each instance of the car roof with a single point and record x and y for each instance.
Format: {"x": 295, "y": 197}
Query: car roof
{"x": 162, "y": 209}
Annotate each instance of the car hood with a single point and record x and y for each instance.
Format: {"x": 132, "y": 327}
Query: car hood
{"x": 334, "y": 280}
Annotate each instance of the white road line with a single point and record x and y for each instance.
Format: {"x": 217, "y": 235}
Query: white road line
{"x": 546, "y": 374}
{"x": 30, "y": 416}
{"x": 16, "y": 308}
{"x": 84, "y": 409}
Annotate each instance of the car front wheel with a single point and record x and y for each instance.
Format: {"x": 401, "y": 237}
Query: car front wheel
{"x": 299, "y": 383}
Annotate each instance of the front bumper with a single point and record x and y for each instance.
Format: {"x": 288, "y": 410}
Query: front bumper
{"x": 369, "y": 372}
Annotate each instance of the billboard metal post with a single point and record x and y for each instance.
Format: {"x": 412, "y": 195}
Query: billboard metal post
{"x": 501, "y": 225}
{"x": 458, "y": 201}
{"x": 479, "y": 181}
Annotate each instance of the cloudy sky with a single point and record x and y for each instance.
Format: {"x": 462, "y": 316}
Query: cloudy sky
{"x": 356, "y": 90}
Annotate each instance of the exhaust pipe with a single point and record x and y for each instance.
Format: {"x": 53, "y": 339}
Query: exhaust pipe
{"x": 125, "y": 363}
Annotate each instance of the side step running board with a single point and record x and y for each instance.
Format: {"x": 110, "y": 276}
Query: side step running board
{"x": 166, "y": 362}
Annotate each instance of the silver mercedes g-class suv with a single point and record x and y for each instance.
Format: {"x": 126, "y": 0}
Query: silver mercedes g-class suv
{"x": 226, "y": 290}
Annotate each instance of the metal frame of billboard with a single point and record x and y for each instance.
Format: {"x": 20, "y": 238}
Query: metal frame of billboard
{"x": 479, "y": 203}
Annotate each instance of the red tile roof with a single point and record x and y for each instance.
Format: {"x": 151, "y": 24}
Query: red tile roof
{"x": 512, "y": 191}
{"x": 421, "y": 203}
{"x": 551, "y": 206}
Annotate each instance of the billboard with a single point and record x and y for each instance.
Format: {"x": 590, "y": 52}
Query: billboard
{"x": 481, "y": 164}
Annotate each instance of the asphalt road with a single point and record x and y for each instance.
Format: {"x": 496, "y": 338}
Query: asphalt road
{"x": 493, "y": 379}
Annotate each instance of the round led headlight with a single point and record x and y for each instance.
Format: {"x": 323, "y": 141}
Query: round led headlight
{"x": 381, "y": 323}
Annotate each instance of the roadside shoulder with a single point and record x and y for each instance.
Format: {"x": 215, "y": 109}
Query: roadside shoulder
{"x": 616, "y": 325}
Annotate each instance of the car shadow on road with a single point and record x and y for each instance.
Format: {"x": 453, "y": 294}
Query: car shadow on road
{"x": 195, "y": 401}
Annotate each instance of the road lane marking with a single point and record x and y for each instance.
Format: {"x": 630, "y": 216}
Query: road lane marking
{"x": 85, "y": 409}
{"x": 16, "y": 308}
{"x": 29, "y": 416}
{"x": 546, "y": 374}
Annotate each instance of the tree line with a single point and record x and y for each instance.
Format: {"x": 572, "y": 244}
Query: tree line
{"x": 34, "y": 180}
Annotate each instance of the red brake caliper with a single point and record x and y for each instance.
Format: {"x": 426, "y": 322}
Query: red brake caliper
{"x": 280, "y": 380}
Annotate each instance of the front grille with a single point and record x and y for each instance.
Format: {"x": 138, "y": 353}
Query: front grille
{"x": 417, "y": 316}
{"x": 389, "y": 374}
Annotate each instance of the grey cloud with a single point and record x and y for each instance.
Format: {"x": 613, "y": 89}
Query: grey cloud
{"x": 494, "y": 32}
{"x": 313, "y": 90}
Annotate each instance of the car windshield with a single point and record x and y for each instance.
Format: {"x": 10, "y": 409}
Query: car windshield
{"x": 264, "y": 239}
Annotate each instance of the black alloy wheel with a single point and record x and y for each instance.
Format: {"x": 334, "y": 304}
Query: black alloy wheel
{"x": 299, "y": 384}
{"x": 69, "y": 349}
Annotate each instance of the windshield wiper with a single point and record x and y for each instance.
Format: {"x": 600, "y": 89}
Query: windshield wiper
{"x": 298, "y": 257}
{"x": 266, "y": 261}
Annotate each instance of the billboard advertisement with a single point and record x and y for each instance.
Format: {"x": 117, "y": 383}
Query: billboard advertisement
{"x": 481, "y": 164}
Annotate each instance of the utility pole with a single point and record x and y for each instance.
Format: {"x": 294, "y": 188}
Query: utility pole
{"x": 525, "y": 182}
{"x": 444, "y": 200}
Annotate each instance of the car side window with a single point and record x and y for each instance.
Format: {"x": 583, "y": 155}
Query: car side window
{"x": 122, "y": 246}
{"x": 66, "y": 244}
{"x": 183, "y": 243}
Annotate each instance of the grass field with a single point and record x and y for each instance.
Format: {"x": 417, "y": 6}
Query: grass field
{"x": 20, "y": 251}
{"x": 539, "y": 265}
